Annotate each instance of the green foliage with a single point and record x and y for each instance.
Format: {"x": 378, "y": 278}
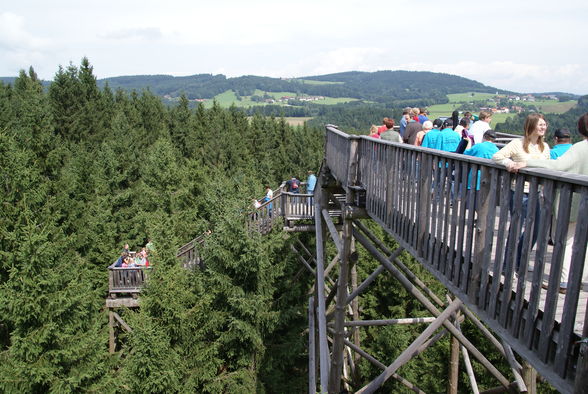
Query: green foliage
{"x": 85, "y": 170}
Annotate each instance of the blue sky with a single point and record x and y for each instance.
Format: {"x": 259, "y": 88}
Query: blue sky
{"x": 525, "y": 46}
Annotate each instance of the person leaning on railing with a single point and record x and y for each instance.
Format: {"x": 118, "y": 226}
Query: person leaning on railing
{"x": 575, "y": 161}
{"x": 530, "y": 147}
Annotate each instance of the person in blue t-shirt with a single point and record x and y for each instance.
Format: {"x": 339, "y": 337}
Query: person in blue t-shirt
{"x": 310, "y": 182}
{"x": 446, "y": 139}
{"x": 563, "y": 141}
{"x": 485, "y": 150}
{"x": 427, "y": 140}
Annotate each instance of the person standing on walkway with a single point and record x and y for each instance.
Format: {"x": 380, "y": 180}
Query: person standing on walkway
{"x": 310, "y": 186}
{"x": 574, "y": 161}
{"x": 562, "y": 143}
{"x": 410, "y": 133}
{"x": 479, "y": 128}
{"x": 531, "y": 147}
{"x": 310, "y": 182}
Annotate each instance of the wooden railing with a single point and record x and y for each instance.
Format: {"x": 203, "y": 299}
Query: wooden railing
{"x": 297, "y": 206}
{"x": 127, "y": 280}
{"x": 469, "y": 237}
{"x": 188, "y": 253}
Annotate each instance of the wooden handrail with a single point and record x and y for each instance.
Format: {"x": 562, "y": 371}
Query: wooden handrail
{"x": 126, "y": 280}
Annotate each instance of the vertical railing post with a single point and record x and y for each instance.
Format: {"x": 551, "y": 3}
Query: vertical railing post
{"x": 324, "y": 363}
{"x": 482, "y": 245}
{"x": 424, "y": 203}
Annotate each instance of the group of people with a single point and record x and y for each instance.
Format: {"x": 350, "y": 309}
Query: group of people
{"x": 475, "y": 137}
{"x": 293, "y": 185}
{"x": 129, "y": 259}
{"x": 450, "y": 135}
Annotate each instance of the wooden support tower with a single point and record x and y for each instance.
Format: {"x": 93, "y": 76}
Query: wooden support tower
{"x": 460, "y": 233}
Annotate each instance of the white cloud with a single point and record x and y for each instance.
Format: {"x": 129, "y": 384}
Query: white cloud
{"x": 14, "y": 36}
{"x": 521, "y": 77}
{"x": 19, "y": 48}
{"x": 138, "y": 33}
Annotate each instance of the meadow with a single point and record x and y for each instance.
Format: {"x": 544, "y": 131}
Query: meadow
{"x": 311, "y": 82}
{"x": 228, "y": 98}
{"x": 458, "y": 99}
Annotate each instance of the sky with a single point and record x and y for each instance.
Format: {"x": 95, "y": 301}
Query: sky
{"x": 518, "y": 45}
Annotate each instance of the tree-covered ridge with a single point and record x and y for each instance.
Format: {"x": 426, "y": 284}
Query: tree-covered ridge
{"x": 380, "y": 86}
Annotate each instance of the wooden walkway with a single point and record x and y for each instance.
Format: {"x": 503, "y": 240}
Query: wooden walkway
{"x": 462, "y": 218}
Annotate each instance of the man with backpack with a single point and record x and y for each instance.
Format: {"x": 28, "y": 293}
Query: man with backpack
{"x": 293, "y": 185}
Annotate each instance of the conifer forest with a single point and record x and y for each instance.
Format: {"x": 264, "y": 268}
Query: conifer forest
{"x": 86, "y": 169}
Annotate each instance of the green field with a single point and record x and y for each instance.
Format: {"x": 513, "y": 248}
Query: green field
{"x": 228, "y": 98}
{"x": 296, "y": 121}
{"x": 311, "y": 82}
{"x": 552, "y": 106}
{"x": 469, "y": 97}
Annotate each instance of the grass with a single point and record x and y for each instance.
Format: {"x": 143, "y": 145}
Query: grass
{"x": 334, "y": 100}
{"x": 311, "y": 82}
{"x": 228, "y": 98}
{"x": 296, "y": 121}
{"x": 224, "y": 99}
{"x": 469, "y": 97}
{"x": 552, "y": 106}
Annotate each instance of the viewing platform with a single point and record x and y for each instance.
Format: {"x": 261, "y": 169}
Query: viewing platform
{"x": 468, "y": 237}
{"x": 125, "y": 281}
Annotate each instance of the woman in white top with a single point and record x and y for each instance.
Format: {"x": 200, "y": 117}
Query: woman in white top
{"x": 530, "y": 147}
{"x": 575, "y": 161}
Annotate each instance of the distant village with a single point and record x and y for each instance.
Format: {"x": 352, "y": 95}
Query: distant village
{"x": 512, "y": 107}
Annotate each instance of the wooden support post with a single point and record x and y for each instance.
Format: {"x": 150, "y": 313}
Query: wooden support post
{"x": 530, "y": 377}
{"x": 454, "y": 358}
{"x": 112, "y": 338}
{"x": 333, "y": 231}
{"x": 331, "y": 265}
{"x": 311, "y": 348}
{"x": 389, "y": 322}
{"x": 320, "y": 292}
{"x": 340, "y": 309}
{"x": 355, "y": 309}
{"x": 453, "y": 367}
{"x": 470, "y": 370}
{"x": 122, "y": 322}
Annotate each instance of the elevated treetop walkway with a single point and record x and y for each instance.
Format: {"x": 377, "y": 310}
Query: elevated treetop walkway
{"x": 467, "y": 237}
{"x": 461, "y": 218}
